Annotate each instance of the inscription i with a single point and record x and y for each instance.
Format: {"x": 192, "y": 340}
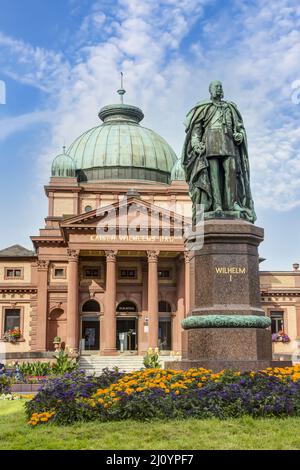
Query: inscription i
{"x": 230, "y": 271}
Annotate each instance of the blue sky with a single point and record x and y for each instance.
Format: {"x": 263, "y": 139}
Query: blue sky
{"x": 60, "y": 62}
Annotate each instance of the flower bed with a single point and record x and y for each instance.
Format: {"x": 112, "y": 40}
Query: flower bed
{"x": 68, "y": 393}
{"x": 155, "y": 393}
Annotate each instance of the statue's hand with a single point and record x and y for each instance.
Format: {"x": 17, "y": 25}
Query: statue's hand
{"x": 238, "y": 137}
{"x": 198, "y": 146}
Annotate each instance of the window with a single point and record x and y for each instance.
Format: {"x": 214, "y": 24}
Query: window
{"x": 88, "y": 209}
{"x": 277, "y": 323}
{"x": 92, "y": 272}
{"x": 164, "y": 306}
{"x": 127, "y": 273}
{"x": 91, "y": 306}
{"x": 164, "y": 273}
{"x": 12, "y": 319}
{"x": 59, "y": 272}
{"x": 13, "y": 273}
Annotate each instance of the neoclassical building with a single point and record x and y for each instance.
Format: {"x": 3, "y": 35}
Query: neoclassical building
{"x": 109, "y": 273}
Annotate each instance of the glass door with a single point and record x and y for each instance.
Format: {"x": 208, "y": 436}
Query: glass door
{"x": 126, "y": 334}
{"x": 165, "y": 334}
{"x": 91, "y": 333}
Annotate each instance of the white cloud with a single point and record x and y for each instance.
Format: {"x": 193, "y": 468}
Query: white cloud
{"x": 35, "y": 66}
{"x": 253, "y": 48}
{"x": 15, "y": 124}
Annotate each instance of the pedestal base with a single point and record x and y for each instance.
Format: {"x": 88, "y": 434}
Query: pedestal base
{"x": 217, "y": 366}
{"x": 242, "y": 349}
{"x": 229, "y": 344}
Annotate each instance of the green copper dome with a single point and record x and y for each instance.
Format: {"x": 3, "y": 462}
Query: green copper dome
{"x": 63, "y": 166}
{"x": 177, "y": 173}
{"x": 122, "y": 149}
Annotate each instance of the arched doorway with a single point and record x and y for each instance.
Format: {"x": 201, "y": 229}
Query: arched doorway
{"x": 164, "y": 326}
{"x": 90, "y": 326}
{"x": 127, "y": 326}
{"x": 57, "y": 326}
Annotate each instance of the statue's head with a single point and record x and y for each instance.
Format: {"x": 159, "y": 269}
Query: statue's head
{"x": 216, "y": 89}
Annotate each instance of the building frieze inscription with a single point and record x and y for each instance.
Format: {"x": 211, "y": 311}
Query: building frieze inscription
{"x": 134, "y": 238}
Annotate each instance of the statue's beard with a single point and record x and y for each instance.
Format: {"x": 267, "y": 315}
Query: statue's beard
{"x": 217, "y": 94}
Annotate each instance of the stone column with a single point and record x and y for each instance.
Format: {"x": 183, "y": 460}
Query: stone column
{"x": 153, "y": 297}
{"x": 143, "y": 335}
{"x": 72, "y": 311}
{"x": 42, "y": 307}
{"x": 109, "y": 319}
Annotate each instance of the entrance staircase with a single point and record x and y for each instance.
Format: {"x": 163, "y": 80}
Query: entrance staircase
{"x": 94, "y": 364}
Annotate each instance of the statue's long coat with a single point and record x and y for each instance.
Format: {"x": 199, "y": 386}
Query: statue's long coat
{"x": 196, "y": 168}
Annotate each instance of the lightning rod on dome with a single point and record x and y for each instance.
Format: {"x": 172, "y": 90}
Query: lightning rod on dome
{"x": 121, "y": 91}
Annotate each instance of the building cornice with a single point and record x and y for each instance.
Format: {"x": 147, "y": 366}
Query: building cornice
{"x": 280, "y": 293}
{"x": 29, "y": 288}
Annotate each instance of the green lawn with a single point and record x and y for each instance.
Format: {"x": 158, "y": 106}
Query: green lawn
{"x": 246, "y": 433}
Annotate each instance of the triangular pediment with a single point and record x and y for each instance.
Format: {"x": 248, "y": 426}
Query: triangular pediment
{"x": 130, "y": 212}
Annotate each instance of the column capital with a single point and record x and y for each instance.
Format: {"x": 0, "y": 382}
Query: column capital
{"x": 152, "y": 256}
{"x": 42, "y": 265}
{"x": 187, "y": 257}
{"x": 73, "y": 255}
{"x": 111, "y": 255}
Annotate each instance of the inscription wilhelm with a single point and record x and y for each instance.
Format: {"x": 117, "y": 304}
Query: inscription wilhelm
{"x": 230, "y": 271}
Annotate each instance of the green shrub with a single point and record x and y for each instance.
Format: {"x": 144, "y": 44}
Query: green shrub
{"x": 35, "y": 368}
{"x": 5, "y": 384}
{"x": 63, "y": 363}
{"x": 151, "y": 360}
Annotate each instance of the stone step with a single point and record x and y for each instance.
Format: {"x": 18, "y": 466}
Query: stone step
{"x": 95, "y": 363}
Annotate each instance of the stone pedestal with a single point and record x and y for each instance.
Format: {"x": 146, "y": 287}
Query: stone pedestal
{"x": 226, "y": 283}
{"x": 227, "y": 269}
